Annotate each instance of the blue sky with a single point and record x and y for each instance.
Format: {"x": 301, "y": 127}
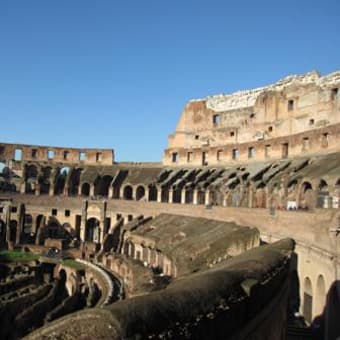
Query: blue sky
{"x": 116, "y": 74}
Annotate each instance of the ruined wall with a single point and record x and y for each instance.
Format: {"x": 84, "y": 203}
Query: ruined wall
{"x": 36, "y": 153}
{"x": 236, "y": 301}
{"x": 298, "y": 110}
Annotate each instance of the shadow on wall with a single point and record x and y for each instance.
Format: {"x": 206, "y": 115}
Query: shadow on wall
{"x": 327, "y": 325}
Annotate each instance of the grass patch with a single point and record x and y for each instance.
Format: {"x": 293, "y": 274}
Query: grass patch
{"x": 73, "y": 264}
{"x": 13, "y": 255}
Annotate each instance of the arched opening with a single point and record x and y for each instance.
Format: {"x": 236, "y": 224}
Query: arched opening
{"x": 320, "y": 295}
{"x": 102, "y": 185}
{"x": 74, "y": 182}
{"x": 92, "y": 230}
{"x": 85, "y": 189}
{"x": 31, "y": 175}
{"x": 13, "y": 225}
{"x": 60, "y": 180}
{"x": 127, "y": 192}
{"x": 44, "y": 180}
{"x": 189, "y": 196}
{"x": 176, "y": 195}
{"x": 307, "y": 197}
{"x": 140, "y": 192}
{"x": 201, "y": 197}
{"x": 165, "y": 195}
{"x": 6, "y": 177}
{"x": 308, "y": 300}
{"x": 56, "y": 231}
{"x": 152, "y": 193}
{"x": 323, "y": 198}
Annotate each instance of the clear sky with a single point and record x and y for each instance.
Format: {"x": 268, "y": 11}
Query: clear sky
{"x": 117, "y": 73}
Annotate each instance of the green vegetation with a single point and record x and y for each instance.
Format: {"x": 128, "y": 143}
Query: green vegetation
{"x": 73, "y": 264}
{"x": 15, "y": 255}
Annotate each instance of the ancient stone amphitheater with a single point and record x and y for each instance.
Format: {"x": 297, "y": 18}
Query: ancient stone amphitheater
{"x": 235, "y": 235}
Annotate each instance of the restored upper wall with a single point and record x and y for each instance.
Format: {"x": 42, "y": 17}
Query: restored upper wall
{"x": 38, "y": 153}
{"x": 293, "y": 106}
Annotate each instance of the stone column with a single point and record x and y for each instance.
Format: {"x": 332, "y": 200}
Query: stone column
{"x": 22, "y": 187}
{"x": 171, "y": 193}
{"x": 159, "y": 194}
{"x": 250, "y": 197}
{"x": 183, "y": 196}
{"x": 207, "y": 197}
{"x": 51, "y": 190}
{"x": 110, "y": 192}
{"x": 195, "y": 197}
{"x": 91, "y": 190}
{"x": 83, "y": 221}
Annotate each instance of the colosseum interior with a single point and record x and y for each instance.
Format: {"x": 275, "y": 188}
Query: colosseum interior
{"x": 234, "y": 235}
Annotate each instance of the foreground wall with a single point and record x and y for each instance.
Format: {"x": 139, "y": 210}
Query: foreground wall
{"x": 245, "y": 299}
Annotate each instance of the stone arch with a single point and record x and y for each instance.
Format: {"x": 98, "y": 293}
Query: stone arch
{"x": 189, "y": 196}
{"x": 105, "y": 183}
{"x": 176, "y": 195}
{"x": 140, "y": 192}
{"x": 200, "y": 197}
{"x": 320, "y": 295}
{"x": 85, "y": 189}
{"x": 152, "y": 193}
{"x": 307, "y": 196}
{"x": 308, "y": 300}
{"x": 165, "y": 195}
{"x": 31, "y": 176}
{"x": 60, "y": 180}
{"x": 54, "y": 230}
{"x": 92, "y": 230}
{"x": 44, "y": 180}
{"x": 127, "y": 192}
{"x": 324, "y": 200}
{"x": 74, "y": 182}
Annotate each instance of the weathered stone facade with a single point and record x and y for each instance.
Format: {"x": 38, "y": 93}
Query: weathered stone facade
{"x": 296, "y": 116}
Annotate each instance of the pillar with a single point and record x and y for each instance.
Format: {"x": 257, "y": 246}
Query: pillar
{"x": 183, "y": 196}
{"x": 171, "y": 193}
{"x": 207, "y": 197}
{"x": 195, "y": 197}
{"x": 91, "y": 190}
{"x": 159, "y": 194}
{"x": 110, "y": 192}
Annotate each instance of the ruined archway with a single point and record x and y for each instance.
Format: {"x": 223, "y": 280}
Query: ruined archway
{"x": 189, "y": 196}
{"x": 127, "y": 192}
{"x": 307, "y": 196}
{"x": 60, "y": 180}
{"x": 308, "y": 300}
{"x": 31, "y": 175}
{"x": 320, "y": 295}
{"x": 176, "y": 195}
{"x": 201, "y": 197}
{"x": 152, "y": 193}
{"x": 140, "y": 192}
{"x": 102, "y": 185}
{"x": 323, "y": 198}
{"x": 85, "y": 189}
{"x": 74, "y": 182}
{"x": 92, "y": 230}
